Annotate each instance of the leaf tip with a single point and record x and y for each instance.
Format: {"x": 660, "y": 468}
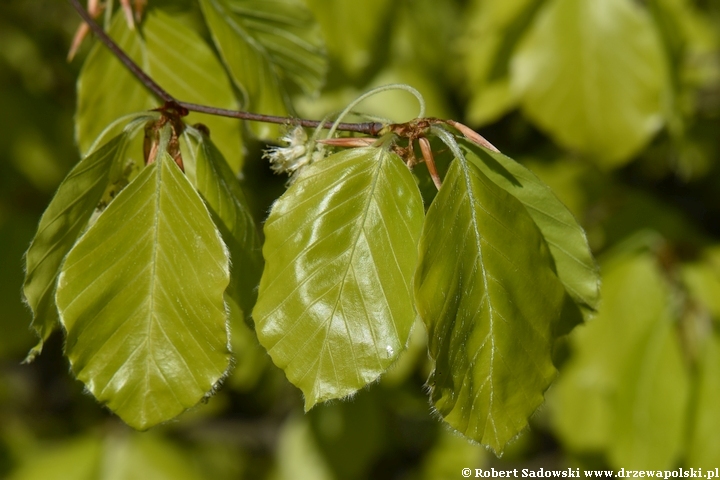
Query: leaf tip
{"x": 33, "y": 353}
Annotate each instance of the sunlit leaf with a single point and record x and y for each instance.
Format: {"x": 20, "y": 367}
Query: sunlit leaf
{"x": 490, "y": 300}
{"x": 141, "y": 299}
{"x": 593, "y": 75}
{"x": 222, "y": 193}
{"x": 63, "y": 222}
{"x": 574, "y": 263}
{"x": 335, "y": 305}
{"x": 268, "y": 46}
{"x": 625, "y": 390}
{"x": 173, "y": 55}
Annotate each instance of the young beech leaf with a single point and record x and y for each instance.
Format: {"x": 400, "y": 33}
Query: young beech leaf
{"x": 178, "y": 58}
{"x": 141, "y": 299}
{"x": 568, "y": 244}
{"x": 335, "y": 306}
{"x": 486, "y": 290}
{"x": 268, "y": 46}
{"x": 217, "y": 184}
{"x": 62, "y": 223}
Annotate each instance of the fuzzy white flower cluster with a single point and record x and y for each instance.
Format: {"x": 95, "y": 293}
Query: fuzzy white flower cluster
{"x": 294, "y": 155}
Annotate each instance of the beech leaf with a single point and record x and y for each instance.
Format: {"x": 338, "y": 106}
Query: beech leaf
{"x": 487, "y": 293}
{"x": 141, "y": 299}
{"x": 335, "y": 306}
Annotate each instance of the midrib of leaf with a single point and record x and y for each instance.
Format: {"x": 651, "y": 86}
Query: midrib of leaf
{"x": 491, "y": 311}
{"x": 330, "y": 357}
{"x": 348, "y": 267}
{"x": 154, "y": 277}
{"x": 360, "y": 231}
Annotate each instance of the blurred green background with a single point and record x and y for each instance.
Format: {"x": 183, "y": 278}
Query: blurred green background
{"x": 614, "y": 103}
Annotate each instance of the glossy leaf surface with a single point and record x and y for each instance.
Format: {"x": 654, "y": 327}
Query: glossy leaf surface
{"x": 176, "y": 57}
{"x": 490, "y": 300}
{"x": 592, "y": 74}
{"x": 63, "y": 222}
{"x": 335, "y": 305}
{"x": 268, "y": 46}
{"x": 625, "y": 389}
{"x": 224, "y": 197}
{"x": 568, "y": 244}
{"x": 141, "y": 299}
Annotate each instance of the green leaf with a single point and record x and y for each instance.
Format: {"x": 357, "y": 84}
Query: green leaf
{"x": 220, "y": 189}
{"x": 593, "y": 75}
{"x": 269, "y": 46}
{"x": 141, "y": 299}
{"x": 568, "y": 244}
{"x": 335, "y": 306}
{"x": 625, "y": 389}
{"x": 490, "y": 300}
{"x": 178, "y": 59}
{"x": 63, "y": 222}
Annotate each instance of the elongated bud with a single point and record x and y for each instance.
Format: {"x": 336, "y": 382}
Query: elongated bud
{"x": 348, "y": 142}
{"x": 430, "y": 161}
{"x": 472, "y": 135}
